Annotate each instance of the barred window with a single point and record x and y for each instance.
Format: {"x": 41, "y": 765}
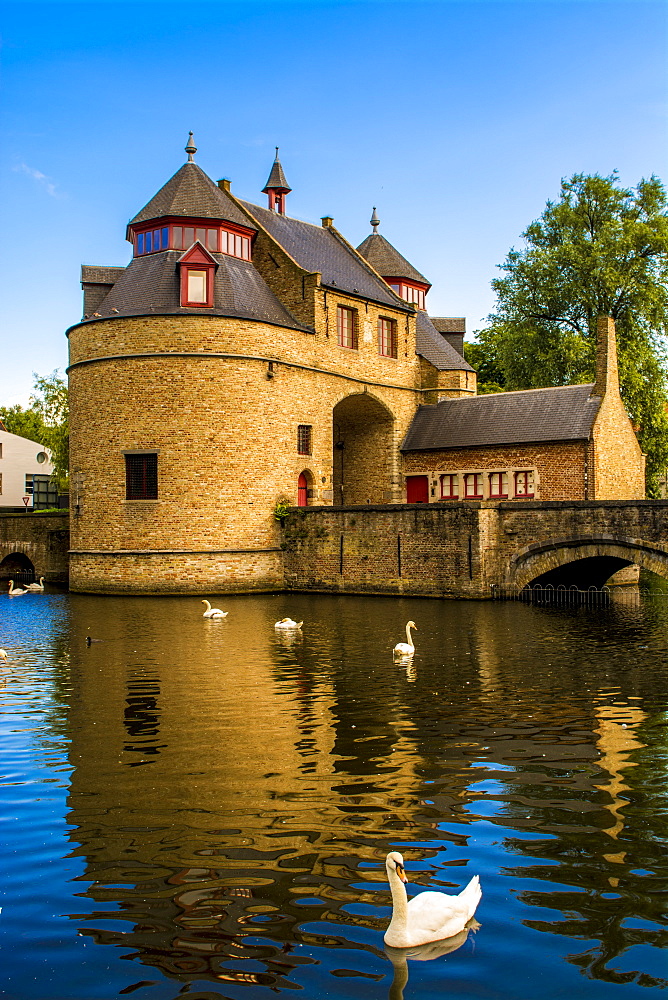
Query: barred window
{"x": 141, "y": 476}
{"x": 346, "y": 327}
{"x": 387, "y": 337}
{"x": 304, "y": 439}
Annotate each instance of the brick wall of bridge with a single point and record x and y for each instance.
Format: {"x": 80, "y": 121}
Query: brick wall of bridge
{"x": 42, "y": 538}
{"x": 461, "y": 549}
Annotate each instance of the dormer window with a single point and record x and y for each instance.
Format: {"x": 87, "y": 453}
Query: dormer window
{"x": 198, "y": 269}
{"x": 214, "y": 238}
{"x": 409, "y": 292}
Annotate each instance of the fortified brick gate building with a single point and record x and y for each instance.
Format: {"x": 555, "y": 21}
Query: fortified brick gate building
{"x": 244, "y": 358}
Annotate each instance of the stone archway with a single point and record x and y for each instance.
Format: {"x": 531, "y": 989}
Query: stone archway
{"x": 585, "y": 562}
{"x": 17, "y": 566}
{"x": 364, "y": 460}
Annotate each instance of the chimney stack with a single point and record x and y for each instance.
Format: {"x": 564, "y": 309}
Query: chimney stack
{"x": 607, "y": 375}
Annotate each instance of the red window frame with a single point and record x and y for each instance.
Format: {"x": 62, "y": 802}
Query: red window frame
{"x": 304, "y": 439}
{"x": 387, "y": 337}
{"x": 208, "y": 269}
{"x": 528, "y": 476}
{"x": 181, "y": 234}
{"x": 451, "y": 480}
{"x": 343, "y": 333}
{"x": 496, "y": 490}
{"x": 477, "y": 483}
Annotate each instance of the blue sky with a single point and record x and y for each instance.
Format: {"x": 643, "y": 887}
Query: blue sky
{"x": 456, "y": 119}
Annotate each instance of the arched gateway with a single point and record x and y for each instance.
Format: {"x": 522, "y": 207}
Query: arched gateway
{"x": 585, "y": 562}
{"x": 364, "y": 458}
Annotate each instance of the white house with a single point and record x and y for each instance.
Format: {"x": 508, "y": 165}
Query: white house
{"x": 25, "y": 471}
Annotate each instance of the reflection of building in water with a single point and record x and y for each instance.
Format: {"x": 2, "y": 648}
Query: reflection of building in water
{"x": 208, "y": 790}
{"x": 617, "y": 739}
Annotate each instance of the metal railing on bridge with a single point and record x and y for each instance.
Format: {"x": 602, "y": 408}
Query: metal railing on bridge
{"x": 564, "y": 596}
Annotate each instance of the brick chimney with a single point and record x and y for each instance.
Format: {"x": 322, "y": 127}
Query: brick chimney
{"x": 607, "y": 375}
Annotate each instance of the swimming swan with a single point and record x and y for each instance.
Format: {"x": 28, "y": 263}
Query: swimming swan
{"x": 15, "y": 592}
{"x": 213, "y": 612}
{"x": 430, "y": 916}
{"x": 406, "y": 648}
{"x": 288, "y": 623}
{"x": 34, "y": 587}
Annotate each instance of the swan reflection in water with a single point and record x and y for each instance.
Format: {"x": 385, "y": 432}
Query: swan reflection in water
{"x": 399, "y": 957}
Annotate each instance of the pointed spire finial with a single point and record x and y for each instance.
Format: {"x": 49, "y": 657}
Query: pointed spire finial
{"x": 375, "y": 221}
{"x": 276, "y": 148}
{"x": 191, "y": 148}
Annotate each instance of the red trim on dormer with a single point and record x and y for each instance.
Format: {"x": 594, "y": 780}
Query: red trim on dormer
{"x": 197, "y": 258}
{"x": 422, "y": 285}
{"x": 197, "y": 254}
{"x": 186, "y": 220}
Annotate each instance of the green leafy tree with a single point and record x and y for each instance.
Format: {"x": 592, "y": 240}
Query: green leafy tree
{"x": 491, "y": 377}
{"x": 601, "y": 249}
{"x": 45, "y": 421}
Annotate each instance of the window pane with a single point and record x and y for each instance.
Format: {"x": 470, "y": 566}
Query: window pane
{"x": 237, "y": 246}
{"x": 165, "y": 238}
{"x": 223, "y": 241}
{"x": 196, "y": 286}
{"x": 245, "y": 251}
{"x": 177, "y": 237}
{"x": 212, "y": 239}
{"x": 200, "y": 234}
{"x": 149, "y": 242}
{"x": 188, "y": 236}
{"x": 304, "y": 439}
{"x": 141, "y": 477}
{"x": 140, "y": 243}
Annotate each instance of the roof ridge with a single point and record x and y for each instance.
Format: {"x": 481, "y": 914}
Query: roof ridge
{"x": 515, "y": 392}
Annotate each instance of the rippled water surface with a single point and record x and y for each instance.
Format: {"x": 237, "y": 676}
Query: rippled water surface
{"x": 203, "y": 808}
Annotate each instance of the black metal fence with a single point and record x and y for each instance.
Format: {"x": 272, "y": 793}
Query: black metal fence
{"x": 564, "y": 596}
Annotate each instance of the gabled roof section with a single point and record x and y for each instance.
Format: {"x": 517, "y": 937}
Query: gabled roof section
{"x": 387, "y": 260}
{"x": 431, "y": 345}
{"x": 196, "y": 254}
{"x": 94, "y": 275}
{"x": 191, "y": 194}
{"x": 150, "y": 286}
{"x": 322, "y": 249}
{"x": 449, "y": 324}
{"x": 564, "y": 413}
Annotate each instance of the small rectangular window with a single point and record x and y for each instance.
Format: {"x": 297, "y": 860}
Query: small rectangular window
{"x": 304, "y": 439}
{"x": 188, "y": 236}
{"x": 498, "y": 485}
{"x": 177, "y": 237}
{"x": 387, "y": 337}
{"x": 237, "y": 246}
{"x": 473, "y": 486}
{"x": 140, "y": 243}
{"x": 212, "y": 239}
{"x": 0, "y": 449}
{"x": 450, "y": 486}
{"x": 200, "y": 235}
{"x": 197, "y": 286}
{"x": 30, "y": 486}
{"x": 0, "y": 484}
{"x": 223, "y": 241}
{"x": 524, "y": 484}
{"x": 164, "y": 243}
{"x": 346, "y": 327}
{"x": 141, "y": 477}
{"x": 245, "y": 248}
{"x": 148, "y": 242}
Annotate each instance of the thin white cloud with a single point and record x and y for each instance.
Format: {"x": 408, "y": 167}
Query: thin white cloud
{"x": 40, "y": 178}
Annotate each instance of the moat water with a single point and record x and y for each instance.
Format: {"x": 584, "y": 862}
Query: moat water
{"x": 202, "y": 808}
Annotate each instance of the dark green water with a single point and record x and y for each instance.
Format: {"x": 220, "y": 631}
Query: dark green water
{"x": 203, "y": 808}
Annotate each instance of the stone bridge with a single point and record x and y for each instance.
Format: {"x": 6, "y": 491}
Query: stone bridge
{"x": 462, "y": 549}
{"x": 34, "y": 544}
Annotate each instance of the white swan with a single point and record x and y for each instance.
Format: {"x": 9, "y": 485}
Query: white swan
{"x": 430, "y": 916}
{"x": 3, "y": 654}
{"x": 35, "y": 587}
{"x": 15, "y": 591}
{"x": 406, "y": 648}
{"x": 213, "y": 612}
{"x": 288, "y": 623}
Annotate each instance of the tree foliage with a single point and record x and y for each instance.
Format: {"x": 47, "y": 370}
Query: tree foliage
{"x": 601, "y": 249}
{"x": 46, "y": 421}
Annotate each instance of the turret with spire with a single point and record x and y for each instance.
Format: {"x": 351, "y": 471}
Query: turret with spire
{"x": 277, "y": 187}
{"x": 400, "y": 275}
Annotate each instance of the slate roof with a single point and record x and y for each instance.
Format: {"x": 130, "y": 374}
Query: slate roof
{"x": 100, "y": 275}
{"x": 192, "y": 194}
{"x": 564, "y": 413}
{"x": 277, "y": 178}
{"x": 431, "y": 345}
{"x": 150, "y": 284}
{"x": 320, "y": 248}
{"x": 387, "y": 260}
{"x": 449, "y": 324}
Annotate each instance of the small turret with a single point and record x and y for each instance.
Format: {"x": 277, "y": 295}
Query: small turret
{"x": 276, "y": 187}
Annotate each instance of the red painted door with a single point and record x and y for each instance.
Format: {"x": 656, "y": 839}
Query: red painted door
{"x": 302, "y": 491}
{"x": 417, "y": 489}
